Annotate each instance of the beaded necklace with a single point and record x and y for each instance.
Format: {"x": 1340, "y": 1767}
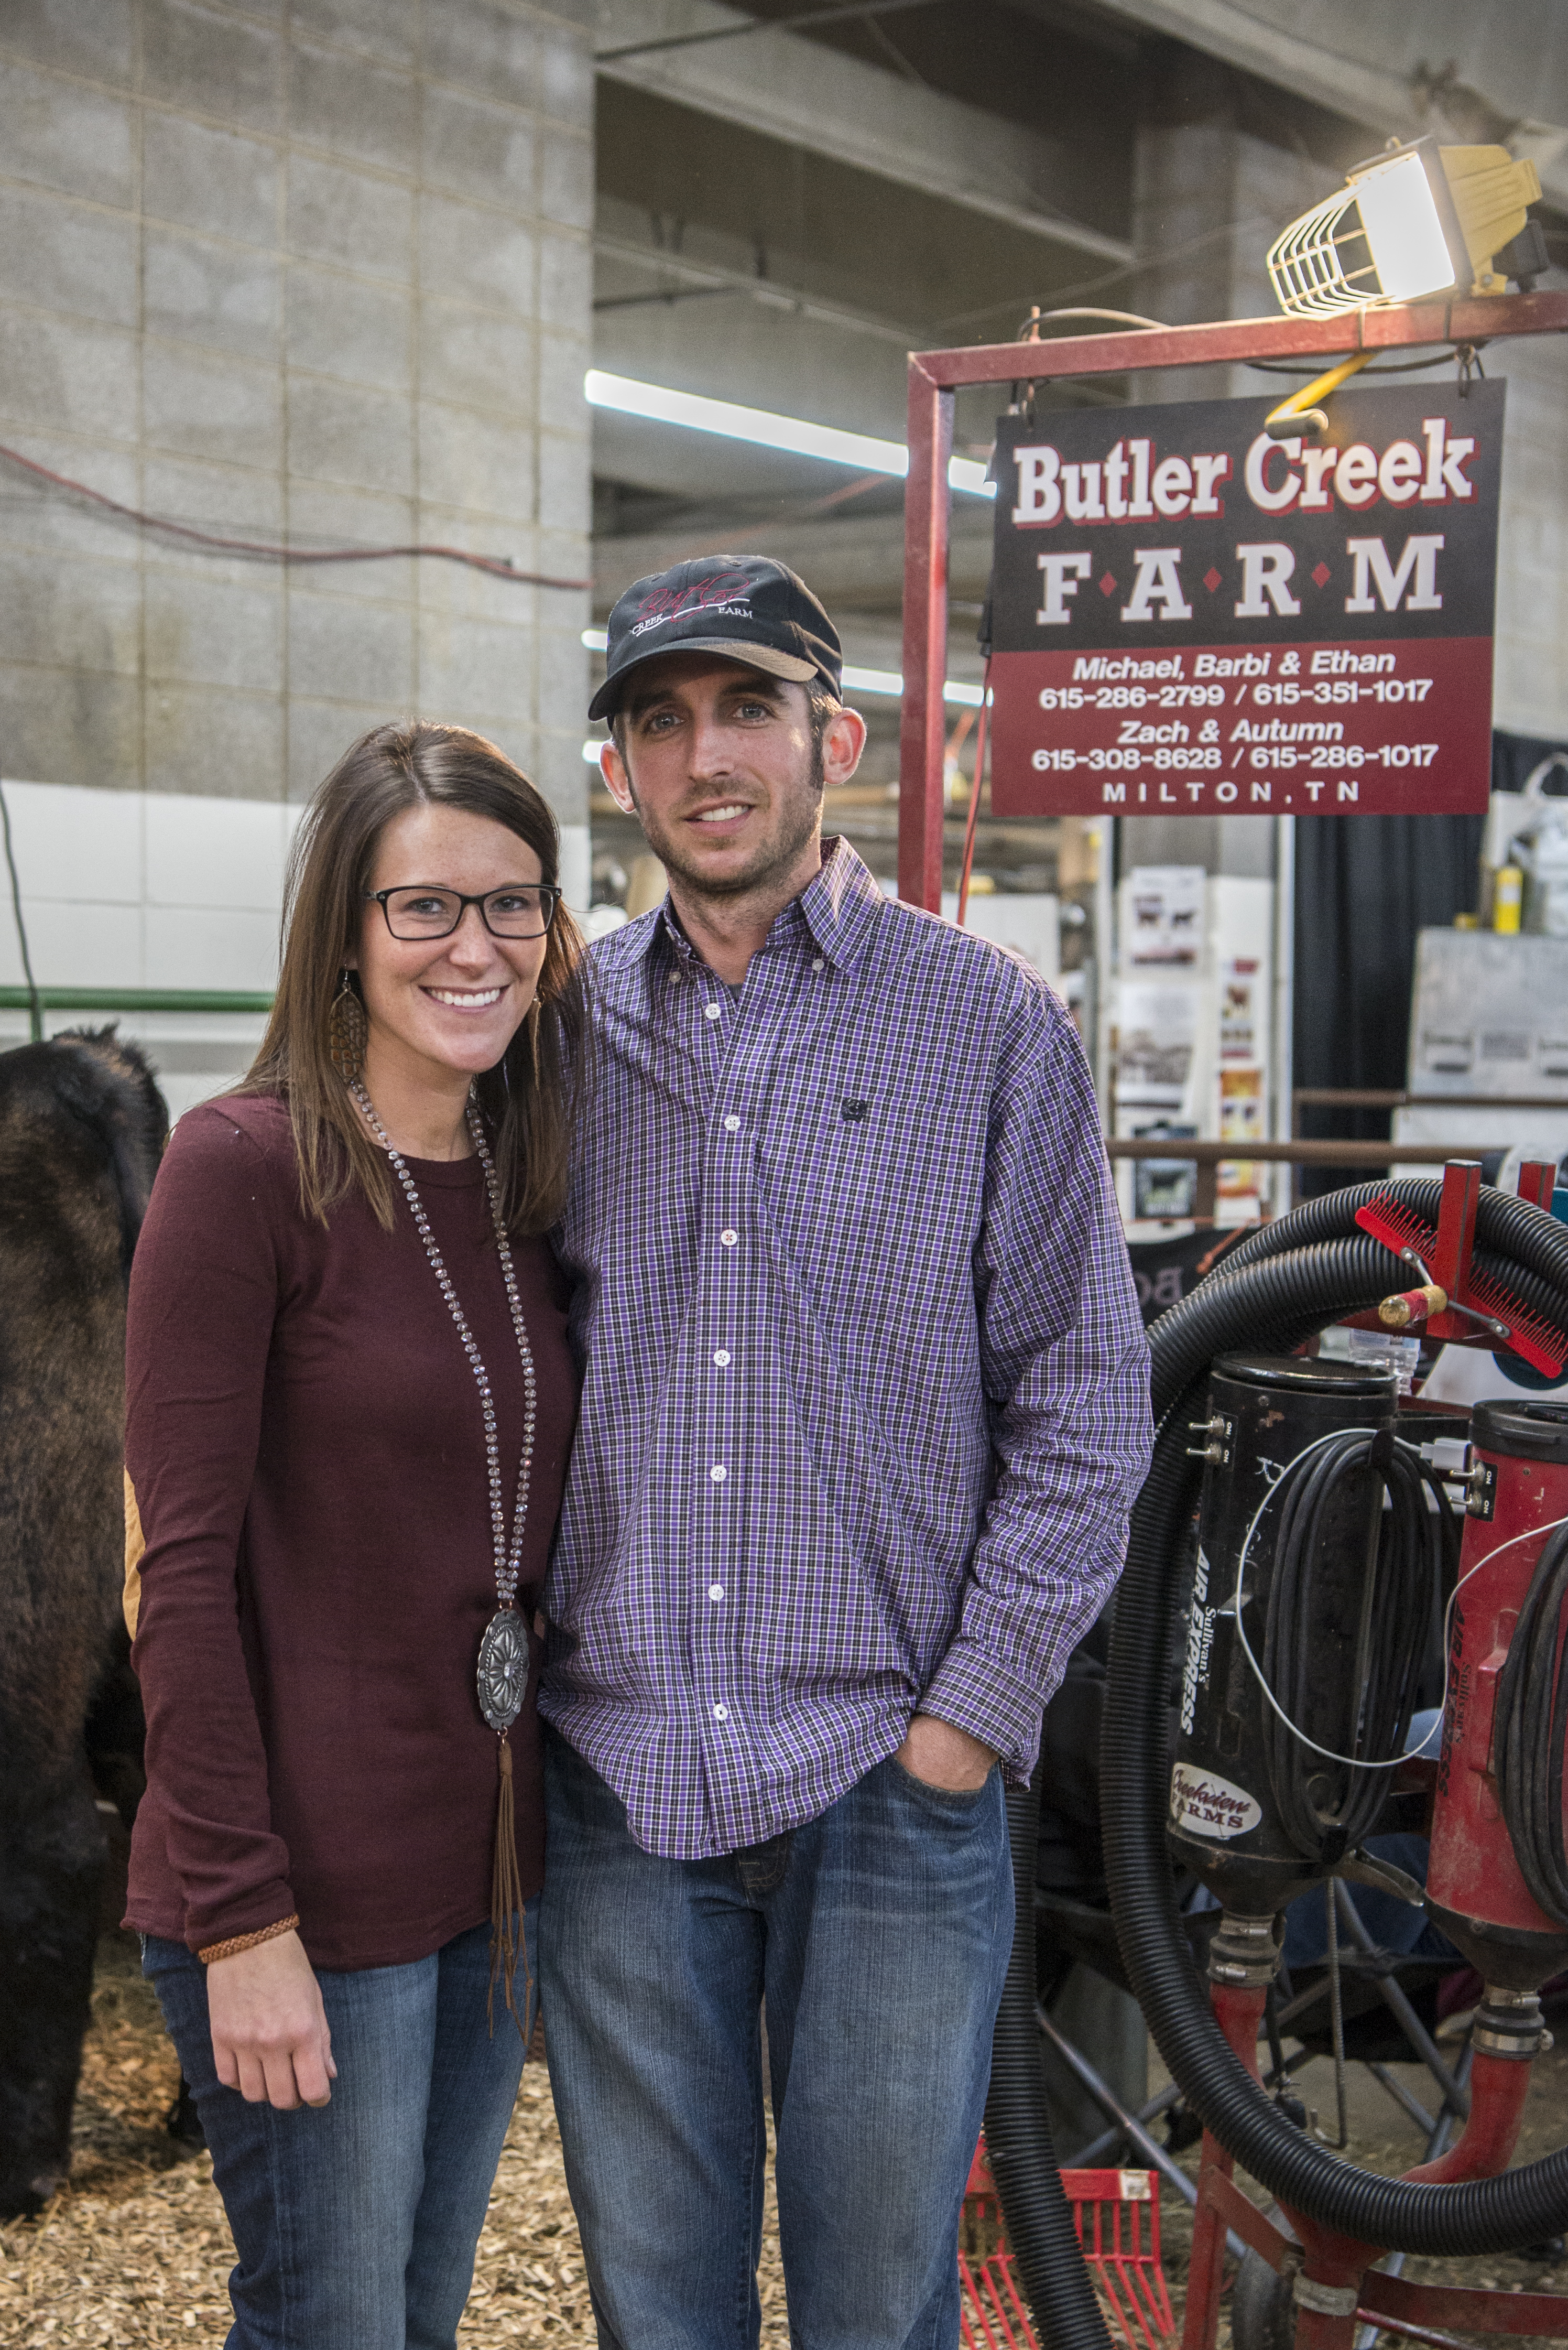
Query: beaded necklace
{"x": 503, "y": 1669}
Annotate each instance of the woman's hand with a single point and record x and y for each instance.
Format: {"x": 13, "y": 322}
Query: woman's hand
{"x": 270, "y": 2036}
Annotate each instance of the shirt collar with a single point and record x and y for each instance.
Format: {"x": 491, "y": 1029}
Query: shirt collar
{"x": 837, "y": 907}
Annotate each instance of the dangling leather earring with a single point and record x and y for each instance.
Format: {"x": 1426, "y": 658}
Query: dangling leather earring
{"x": 347, "y": 1028}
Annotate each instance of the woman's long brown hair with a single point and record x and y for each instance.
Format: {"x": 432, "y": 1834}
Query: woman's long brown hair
{"x": 529, "y": 1098}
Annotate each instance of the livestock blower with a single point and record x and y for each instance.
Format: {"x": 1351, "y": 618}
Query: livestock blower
{"x": 1309, "y": 1509}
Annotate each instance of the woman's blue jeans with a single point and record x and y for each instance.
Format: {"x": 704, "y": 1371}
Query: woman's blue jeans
{"x": 356, "y": 2222}
{"x": 878, "y": 1935}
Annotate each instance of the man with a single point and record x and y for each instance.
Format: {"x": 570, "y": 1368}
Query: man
{"x": 866, "y": 1409}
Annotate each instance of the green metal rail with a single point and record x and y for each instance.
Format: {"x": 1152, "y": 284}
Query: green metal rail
{"x": 125, "y": 999}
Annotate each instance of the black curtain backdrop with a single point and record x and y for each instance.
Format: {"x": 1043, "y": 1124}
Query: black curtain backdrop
{"x": 1364, "y": 886}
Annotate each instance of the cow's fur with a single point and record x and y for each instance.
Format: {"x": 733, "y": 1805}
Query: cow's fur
{"x": 82, "y": 1125}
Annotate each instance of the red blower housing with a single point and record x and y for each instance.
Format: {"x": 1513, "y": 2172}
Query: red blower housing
{"x": 1476, "y": 1890}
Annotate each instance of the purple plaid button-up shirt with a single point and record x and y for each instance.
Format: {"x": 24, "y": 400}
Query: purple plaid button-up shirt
{"x": 866, "y": 1391}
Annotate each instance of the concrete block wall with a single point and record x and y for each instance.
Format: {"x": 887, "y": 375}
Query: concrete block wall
{"x": 313, "y": 270}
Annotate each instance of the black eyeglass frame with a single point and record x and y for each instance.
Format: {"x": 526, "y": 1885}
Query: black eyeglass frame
{"x": 547, "y": 890}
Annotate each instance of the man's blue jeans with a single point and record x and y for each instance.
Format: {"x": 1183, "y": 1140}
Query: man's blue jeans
{"x": 356, "y": 2222}
{"x": 878, "y": 1935}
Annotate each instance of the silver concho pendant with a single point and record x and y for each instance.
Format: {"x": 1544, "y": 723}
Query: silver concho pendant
{"x": 502, "y": 1669}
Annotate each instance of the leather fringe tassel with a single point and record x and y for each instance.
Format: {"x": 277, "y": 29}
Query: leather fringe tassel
{"x": 508, "y": 1940}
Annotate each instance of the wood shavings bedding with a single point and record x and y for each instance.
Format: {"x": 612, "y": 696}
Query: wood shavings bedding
{"x": 137, "y": 2251}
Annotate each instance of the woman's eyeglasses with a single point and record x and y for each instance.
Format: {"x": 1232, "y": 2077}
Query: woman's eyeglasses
{"x": 523, "y": 911}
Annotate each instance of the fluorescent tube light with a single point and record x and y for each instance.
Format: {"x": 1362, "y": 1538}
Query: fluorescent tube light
{"x": 858, "y": 680}
{"x": 764, "y": 430}
{"x": 888, "y": 681}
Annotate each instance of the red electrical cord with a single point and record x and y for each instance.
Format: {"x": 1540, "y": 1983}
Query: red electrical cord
{"x": 498, "y": 565}
{"x": 974, "y": 794}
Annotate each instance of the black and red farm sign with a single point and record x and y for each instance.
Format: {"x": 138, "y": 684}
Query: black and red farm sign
{"x": 1191, "y": 618}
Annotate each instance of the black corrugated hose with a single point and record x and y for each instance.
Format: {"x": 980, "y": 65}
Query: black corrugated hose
{"x": 1294, "y": 1276}
{"x": 1018, "y": 2136}
{"x": 1531, "y": 1727}
{"x": 1411, "y": 1566}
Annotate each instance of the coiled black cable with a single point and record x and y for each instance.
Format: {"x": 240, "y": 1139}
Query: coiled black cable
{"x": 1297, "y": 1275}
{"x": 1328, "y": 1804}
{"x": 1531, "y": 1729}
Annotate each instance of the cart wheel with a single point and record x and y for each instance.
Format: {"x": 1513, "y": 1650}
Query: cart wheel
{"x": 1262, "y": 2312}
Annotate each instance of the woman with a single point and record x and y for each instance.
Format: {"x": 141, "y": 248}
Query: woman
{"x": 350, "y": 1406}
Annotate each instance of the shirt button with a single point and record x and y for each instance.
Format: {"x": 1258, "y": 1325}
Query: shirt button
{"x": 732, "y": 1124}
{"x": 718, "y": 1472}
{"x": 715, "y": 1591}
{"x": 728, "y": 1238}
{"x": 817, "y": 963}
{"x": 721, "y": 1714}
{"x": 723, "y": 1359}
{"x": 711, "y": 1011}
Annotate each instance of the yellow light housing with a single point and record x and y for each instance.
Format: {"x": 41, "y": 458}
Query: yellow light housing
{"x": 1419, "y": 220}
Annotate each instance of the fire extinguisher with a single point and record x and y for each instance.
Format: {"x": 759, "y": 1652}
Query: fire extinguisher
{"x": 1497, "y": 1878}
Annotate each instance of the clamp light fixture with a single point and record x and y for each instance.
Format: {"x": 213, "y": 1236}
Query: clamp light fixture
{"x": 1419, "y": 220}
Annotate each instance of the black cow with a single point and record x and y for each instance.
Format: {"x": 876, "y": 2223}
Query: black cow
{"x": 82, "y": 1126}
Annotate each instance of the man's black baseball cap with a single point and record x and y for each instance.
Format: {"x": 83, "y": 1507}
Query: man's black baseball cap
{"x": 747, "y": 605}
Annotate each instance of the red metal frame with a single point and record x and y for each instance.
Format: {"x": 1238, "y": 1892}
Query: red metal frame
{"x": 935, "y": 376}
{"x": 1116, "y": 2214}
{"x": 1498, "y": 2084}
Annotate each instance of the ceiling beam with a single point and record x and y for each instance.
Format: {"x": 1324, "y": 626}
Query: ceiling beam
{"x": 819, "y": 100}
{"x": 1367, "y": 60}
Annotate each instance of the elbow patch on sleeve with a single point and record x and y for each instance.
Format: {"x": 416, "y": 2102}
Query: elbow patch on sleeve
{"x": 135, "y": 1544}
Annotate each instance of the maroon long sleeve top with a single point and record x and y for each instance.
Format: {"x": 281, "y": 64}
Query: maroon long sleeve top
{"x": 305, "y": 1438}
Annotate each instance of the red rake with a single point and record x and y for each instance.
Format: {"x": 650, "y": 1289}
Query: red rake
{"x": 1116, "y": 2216}
{"x": 1475, "y": 1310}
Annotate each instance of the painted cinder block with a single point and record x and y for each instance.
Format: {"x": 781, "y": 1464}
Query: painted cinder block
{"x": 72, "y": 842}
{"x": 211, "y": 853}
